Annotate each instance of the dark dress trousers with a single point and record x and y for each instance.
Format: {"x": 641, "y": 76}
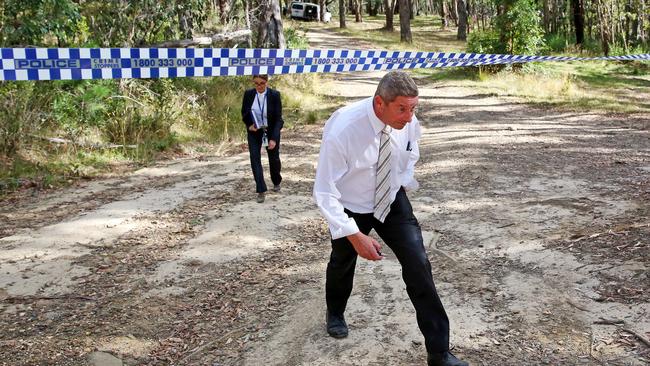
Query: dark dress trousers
{"x": 275, "y": 123}
{"x": 401, "y": 232}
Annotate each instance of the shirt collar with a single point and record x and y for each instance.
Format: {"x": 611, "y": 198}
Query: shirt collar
{"x": 262, "y": 94}
{"x": 375, "y": 122}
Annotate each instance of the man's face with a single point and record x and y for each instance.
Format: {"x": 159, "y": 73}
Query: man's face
{"x": 397, "y": 113}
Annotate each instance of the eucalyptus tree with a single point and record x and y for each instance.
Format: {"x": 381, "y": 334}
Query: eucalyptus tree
{"x": 405, "y": 22}
{"x": 578, "y": 20}
{"x": 270, "y": 29}
{"x": 462, "y": 20}
{"x": 389, "y": 8}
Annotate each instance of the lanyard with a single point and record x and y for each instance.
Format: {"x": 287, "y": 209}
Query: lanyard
{"x": 261, "y": 107}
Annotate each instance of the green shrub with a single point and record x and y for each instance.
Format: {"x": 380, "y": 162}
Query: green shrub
{"x": 484, "y": 41}
{"x": 24, "y": 109}
{"x": 558, "y": 42}
{"x": 142, "y": 114}
{"x": 519, "y": 29}
{"x": 79, "y": 105}
{"x": 295, "y": 39}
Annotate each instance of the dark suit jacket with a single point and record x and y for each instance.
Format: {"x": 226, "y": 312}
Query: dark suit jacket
{"x": 273, "y": 113}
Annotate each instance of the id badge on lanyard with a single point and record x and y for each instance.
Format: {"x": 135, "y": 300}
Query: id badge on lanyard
{"x": 265, "y": 139}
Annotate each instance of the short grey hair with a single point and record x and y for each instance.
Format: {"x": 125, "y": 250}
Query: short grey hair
{"x": 396, "y": 84}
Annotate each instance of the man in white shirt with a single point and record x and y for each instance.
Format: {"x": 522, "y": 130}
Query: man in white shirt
{"x": 366, "y": 164}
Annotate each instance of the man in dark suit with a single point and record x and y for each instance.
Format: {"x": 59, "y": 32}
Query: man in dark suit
{"x": 262, "y": 113}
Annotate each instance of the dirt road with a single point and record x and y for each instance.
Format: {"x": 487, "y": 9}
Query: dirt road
{"x": 537, "y": 223}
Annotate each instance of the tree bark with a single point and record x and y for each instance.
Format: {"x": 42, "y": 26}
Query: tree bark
{"x": 640, "y": 33}
{"x": 388, "y": 4}
{"x": 444, "y": 14}
{"x": 270, "y": 34}
{"x": 357, "y": 11}
{"x": 604, "y": 27}
{"x": 462, "y": 21}
{"x": 224, "y": 7}
{"x": 547, "y": 16}
{"x": 453, "y": 11}
{"x": 321, "y": 16}
{"x": 341, "y": 13}
{"x": 579, "y": 21}
{"x": 405, "y": 22}
{"x": 247, "y": 10}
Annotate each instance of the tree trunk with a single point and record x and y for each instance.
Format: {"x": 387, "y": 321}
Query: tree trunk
{"x": 462, "y": 21}
{"x": 640, "y": 33}
{"x": 547, "y": 16}
{"x": 270, "y": 33}
{"x": 357, "y": 11}
{"x": 247, "y": 10}
{"x": 453, "y": 12}
{"x": 341, "y": 13}
{"x": 471, "y": 19}
{"x": 579, "y": 21}
{"x": 604, "y": 27}
{"x": 405, "y": 22}
{"x": 224, "y": 7}
{"x": 321, "y": 16}
{"x": 388, "y": 4}
{"x": 443, "y": 14}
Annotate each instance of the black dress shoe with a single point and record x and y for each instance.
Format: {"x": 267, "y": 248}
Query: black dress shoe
{"x": 444, "y": 359}
{"x": 336, "y": 326}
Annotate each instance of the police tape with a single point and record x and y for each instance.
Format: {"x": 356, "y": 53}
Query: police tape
{"x": 141, "y": 63}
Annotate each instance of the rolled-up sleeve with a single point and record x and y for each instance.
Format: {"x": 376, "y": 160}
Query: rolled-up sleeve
{"x": 332, "y": 165}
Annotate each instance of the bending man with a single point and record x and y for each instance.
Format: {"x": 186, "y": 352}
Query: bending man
{"x": 366, "y": 165}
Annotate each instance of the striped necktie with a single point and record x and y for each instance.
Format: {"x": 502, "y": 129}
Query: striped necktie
{"x": 382, "y": 183}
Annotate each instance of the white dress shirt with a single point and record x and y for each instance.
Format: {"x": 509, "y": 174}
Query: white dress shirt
{"x": 345, "y": 177}
{"x": 259, "y": 107}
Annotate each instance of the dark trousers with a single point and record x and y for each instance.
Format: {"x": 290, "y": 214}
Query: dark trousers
{"x": 254, "y": 147}
{"x": 401, "y": 232}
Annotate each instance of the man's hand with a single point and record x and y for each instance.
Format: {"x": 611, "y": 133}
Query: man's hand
{"x": 366, "y": 246}
{"x": 252, "y": 128}
{"x": 271, "y": 144}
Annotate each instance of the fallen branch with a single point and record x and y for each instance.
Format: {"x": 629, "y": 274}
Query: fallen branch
{"x": 214, "y": 341}
{"x": 576, "y": 305}
{"x": 184, "y": 43}
{"x": 621, "y": 323}
{"x": 616, "y": 230}
{"x": 639, "y": 336}
{"x": 432, "y": 246}
{"x": 219, "y": 38}
{"x": 22, "y": 299}
{"x": 609, "y": 321}
{"x": 227, "y": 37}
{"x": 61, "y": 141}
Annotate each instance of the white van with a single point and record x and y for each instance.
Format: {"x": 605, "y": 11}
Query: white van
{"x": 307, "y": 11}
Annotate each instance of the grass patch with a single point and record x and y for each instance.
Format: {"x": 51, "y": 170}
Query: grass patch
{"x": 598, "y": 86}
{"x": 426, "y": 32}
{"x": 36, "y": 168}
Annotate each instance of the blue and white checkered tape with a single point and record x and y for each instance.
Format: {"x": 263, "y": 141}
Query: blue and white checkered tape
{"x": 123, "y": 63}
